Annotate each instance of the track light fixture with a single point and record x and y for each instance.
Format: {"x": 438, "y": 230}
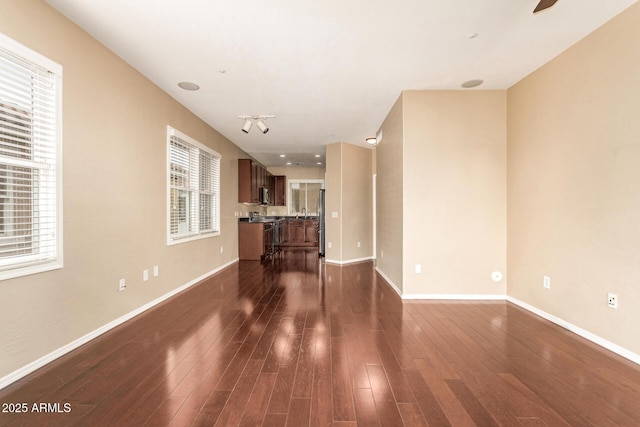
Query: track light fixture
{"x": 247, "y": 126}
{"x": 259, "y": 120}
{"x": 262, "y": 126}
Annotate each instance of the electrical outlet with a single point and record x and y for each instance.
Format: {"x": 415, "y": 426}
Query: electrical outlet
{"x": 122, "y": 285}
{"x": 358, "y": 244}
{"x": 155, "y": 271}
{"x": 221, "y": 249}
{"x": 381, "y": 254}
{"x": 418, "y": 268}
{"x": 613, "y": 300}
{"x": 329, "y": 245}
{"x": 145, "y": 275}
{"x": 546, "y": 282}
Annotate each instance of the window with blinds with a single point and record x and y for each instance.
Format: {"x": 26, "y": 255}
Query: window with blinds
{"x": 30, "y": 147}
{"x": 194, "y": 189}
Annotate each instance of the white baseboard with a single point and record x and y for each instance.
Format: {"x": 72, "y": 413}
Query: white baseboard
{"x": 37, "y": 364}
{"x": 349, "y": 261}
{"x": 389, "y": 282}
{"x": 456, "y": 297}
{"x": 479, "y": 297}
{"x": 621, "y": 351}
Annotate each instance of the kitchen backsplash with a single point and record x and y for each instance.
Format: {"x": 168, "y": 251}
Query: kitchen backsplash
{"x": 243, "y": 210}
{"x": 277, "y": 211}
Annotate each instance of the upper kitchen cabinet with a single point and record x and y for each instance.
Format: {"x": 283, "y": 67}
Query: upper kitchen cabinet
{"x": 280, "y": 190}
{"x": 252, "y": 177}
{"x": 248, "y": 189}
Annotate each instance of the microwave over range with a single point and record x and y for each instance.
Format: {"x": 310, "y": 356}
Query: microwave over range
{"x": 264, "y": 196}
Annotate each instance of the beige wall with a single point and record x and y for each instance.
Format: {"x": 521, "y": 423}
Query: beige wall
{"x": 574, "y": 193}
{"x": 389, "y": 196}
{"x": 357, "y": 203}
{"x": 454, "y": 192}
{"x": 114, "y": 166}
{"x": 333, "y": 202}
{"x": 349, "y": 192}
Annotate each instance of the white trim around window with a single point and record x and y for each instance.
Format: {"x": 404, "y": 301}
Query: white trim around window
{"x": 193, "y": 189}
{"x": 295, "y": 184}
{"x": 30, "y": 161}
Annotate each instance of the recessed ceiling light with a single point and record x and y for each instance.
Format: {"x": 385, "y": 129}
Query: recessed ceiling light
{"x": 283, "y": 155}
{"x": 317, "y": 156}
{"x": 188, "y": 86}
{"x": 222, "y": 71}
{"x": 372, "y": 141}
{"x": 472, "y": 83}
{"x": 289, "y": 163}
{"x": 473, "y": 36}
{"x": 319, "y": 163}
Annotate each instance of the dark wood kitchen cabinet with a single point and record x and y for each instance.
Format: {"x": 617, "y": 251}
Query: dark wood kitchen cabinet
{"x": 251, "y": 178}
{"x": 280, "y": 190}
{"x": 302, "y": 233}
{"x": 311, "y": 231}
{"x": 248, "y": 181}
{"x": 255, "y": 240}
{"x": 296, "y": 231}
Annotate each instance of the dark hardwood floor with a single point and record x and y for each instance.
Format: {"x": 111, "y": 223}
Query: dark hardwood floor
{"x": 296, "y": 342}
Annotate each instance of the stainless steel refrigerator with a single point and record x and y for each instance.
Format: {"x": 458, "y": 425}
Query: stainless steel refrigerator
{"x": 321, "y": 223}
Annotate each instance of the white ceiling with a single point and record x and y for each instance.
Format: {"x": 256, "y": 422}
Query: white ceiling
{"x": 330, "y": 70}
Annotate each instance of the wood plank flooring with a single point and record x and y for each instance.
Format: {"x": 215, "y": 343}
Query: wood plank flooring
{"x": 294, "y": 342}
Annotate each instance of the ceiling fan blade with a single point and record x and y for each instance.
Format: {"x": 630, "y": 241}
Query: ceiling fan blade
{"x": 544, "y": 4}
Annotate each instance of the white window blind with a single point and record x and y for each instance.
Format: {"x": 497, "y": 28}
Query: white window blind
{"x": 30, "y": 88}
{"x": 194, "y": 189}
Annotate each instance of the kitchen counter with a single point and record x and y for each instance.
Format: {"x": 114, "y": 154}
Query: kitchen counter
{"x": 275, "y": 218}
{"x": 264, "y": 236}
